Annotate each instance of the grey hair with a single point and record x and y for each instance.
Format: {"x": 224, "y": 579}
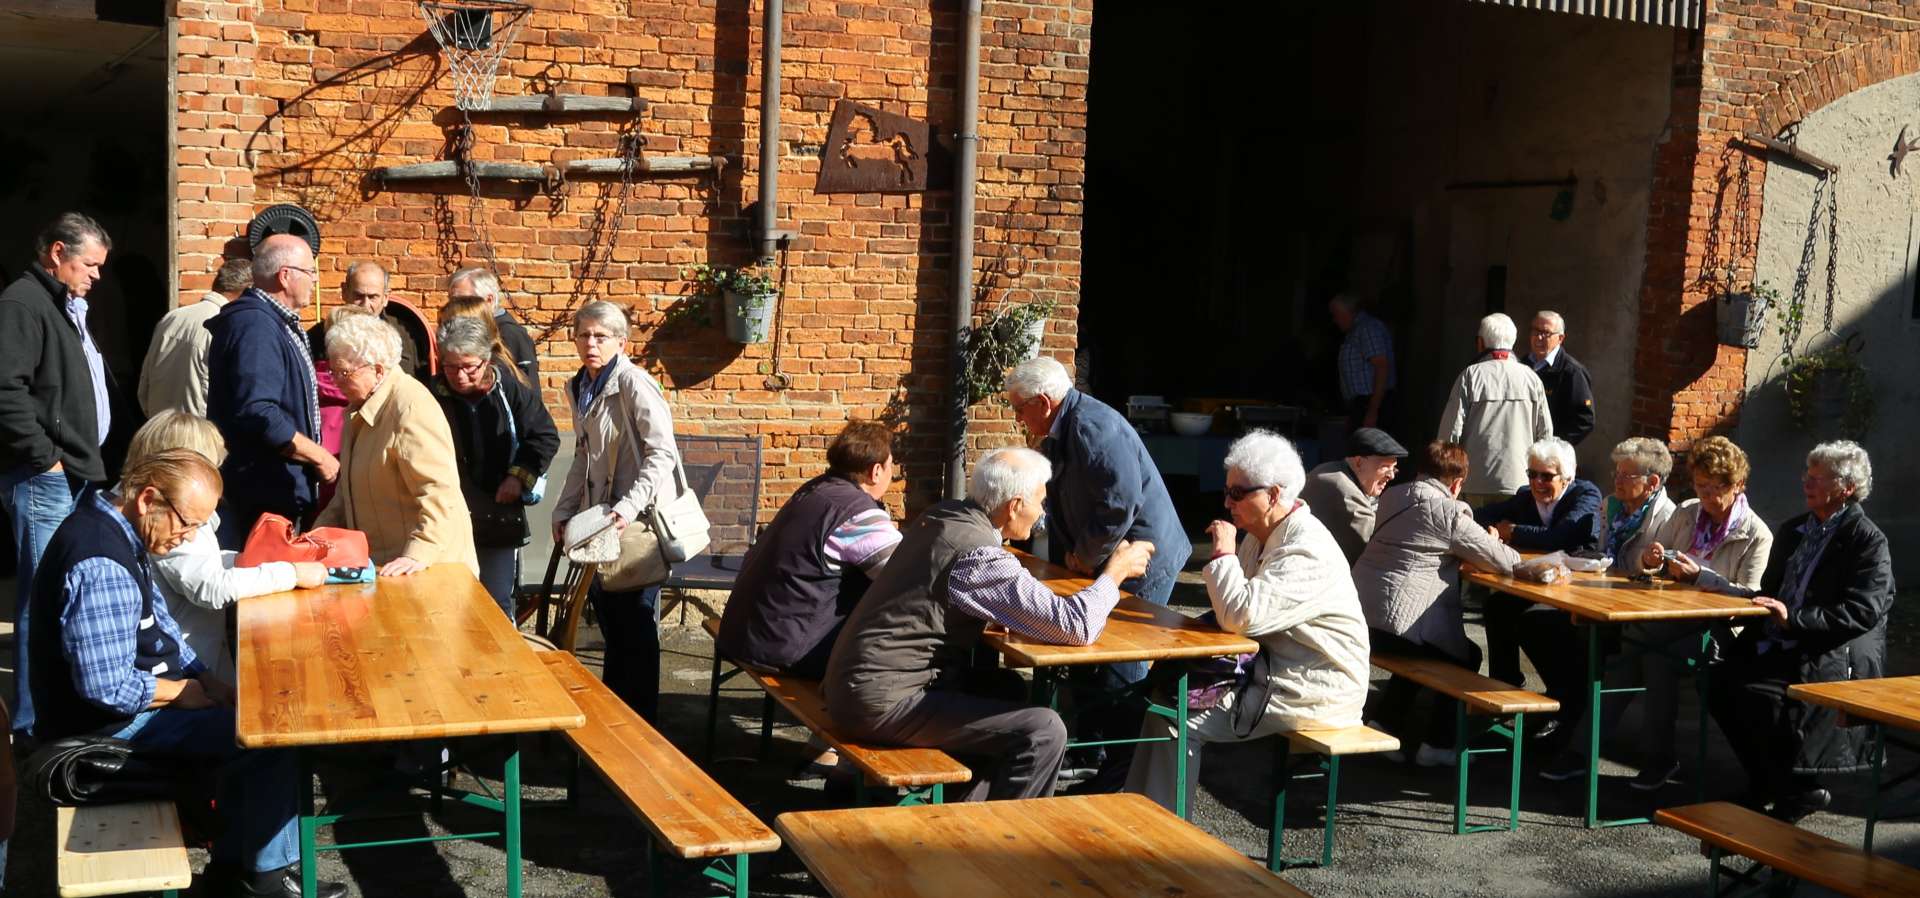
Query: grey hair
{"x": 1268, "y": 459}
{"x": 485, "y": 283}
{"x": 386, "y": 280}
{"x": 1848, "y": 462}
{"x": 610, "y": 315}
{"x": 367, "y": 339}
{"x": 72, "y": 229}
{"x": 273, "y": 255}
{"x": 234, "y": 276}
{"x": 465, "y": 336}
{"x": 1040, "y": 376}
{"x": 1497, "y": 331}
{"x": 1559, "y": 453}
{"x": 1553, "y": 317}
{"x": 1007, "y": 474}
{"x": 1649, "y": 454}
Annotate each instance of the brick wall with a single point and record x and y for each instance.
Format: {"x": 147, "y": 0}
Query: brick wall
{"x": 1757, "y": 67}
{"x": 297, "y": 100}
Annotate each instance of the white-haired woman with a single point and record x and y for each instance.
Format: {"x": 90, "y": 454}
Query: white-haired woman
{"x": 1286, "y": 584}
{"x": 398, "y": 483}
{"x": 1828, "y": 588}
{"x": 624, "y": 456}
{"x": 1632, "y": 517}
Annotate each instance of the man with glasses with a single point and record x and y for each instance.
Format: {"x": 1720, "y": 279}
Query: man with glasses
{"x": 1496, "y": 410}
{"x": 262, "y": 393}
{"x": 1569, "y": 387}
{"x": 479, "y": 283}
{"x": 1343, "y": 493}
{"x": 369, "y": 286}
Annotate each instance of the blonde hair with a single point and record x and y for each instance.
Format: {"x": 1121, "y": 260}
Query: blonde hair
{"x": 175, "y": 429}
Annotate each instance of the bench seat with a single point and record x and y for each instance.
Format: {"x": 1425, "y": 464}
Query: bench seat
{"x": 117, "y": 849}
{"x": 1727, "y": 827}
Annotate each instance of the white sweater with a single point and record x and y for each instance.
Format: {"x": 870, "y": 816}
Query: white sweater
{"x": 199, "y": 581}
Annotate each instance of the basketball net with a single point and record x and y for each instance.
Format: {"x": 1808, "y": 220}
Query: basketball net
{"x": 473, "y": 36}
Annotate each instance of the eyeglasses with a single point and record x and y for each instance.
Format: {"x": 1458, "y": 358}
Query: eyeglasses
{"x": 1539, "y": 334}
{"x": 1542, "y": 475}
{"x": 597, "y": 338}
{"x": 1237, "y": 493}
{"x": 309, "y": 272}
{"x": 467, "y": 297}
{"x": 339, "y": 371}
{"x": 472, "y": 369}
{"x": 1629, "y": 475}
{"x": 1812, "y": 479}
{"x": 184, "y": 523}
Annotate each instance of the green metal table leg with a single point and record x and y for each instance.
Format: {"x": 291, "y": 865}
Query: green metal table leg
{"x": 1701, "y": 672}
{"x": 309, "y": 827}
{"x": 1333, "y": 809}
{"x": 1180, "y": 806}
{"x": 1595, "y": 683}
{"x": 939, "y": 793}
{"x": 511, "y": 801}
{"x": 1713, "y": 870}
{"x": 740, "y": 875}
{"x": 1461, "y": 758}
{"x": 1282, "y": 776}
{"x": 1516, "y": 740}
{"x": 1879, "y": 750}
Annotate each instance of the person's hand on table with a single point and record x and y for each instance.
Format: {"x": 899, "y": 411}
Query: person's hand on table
{"x": 1224, "y": 537}
{"x": 1129, "y": 560}
{"x": 402, "y": 566}
{"x": 1776, "y": 609}
{"x": 309, "y": 574}
{"x": 509, "y": 491}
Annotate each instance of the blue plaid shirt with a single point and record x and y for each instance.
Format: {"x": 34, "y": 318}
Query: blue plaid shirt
{"x": 100, "y": 624}
{"x": 1368, "y": 339}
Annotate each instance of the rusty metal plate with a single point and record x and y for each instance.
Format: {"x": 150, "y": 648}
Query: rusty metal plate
{"x": 871, "y": 151}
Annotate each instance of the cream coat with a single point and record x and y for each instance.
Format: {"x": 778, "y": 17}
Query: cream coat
{"x": 629, "y": 416}
{"x": 1740, "y": 560}
{"x": 1497, "y": 410}
{"x": 1409, "y": 576}
{"x": 398, "y": 483}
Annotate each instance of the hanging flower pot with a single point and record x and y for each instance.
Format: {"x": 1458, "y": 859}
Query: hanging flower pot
{"x": 1009, "y": 336}
{"x": 1742, "y": 317}
{"x": 1829, "y": 393}
{"x": 748, "y": 316}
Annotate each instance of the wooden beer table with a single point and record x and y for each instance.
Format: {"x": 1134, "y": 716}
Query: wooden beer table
{"x": 427, "y": 656}
{"x": 1136, "y": 630}
{"x": 1606, "y": 599}
{"x": 1089, "y": 845}
{"x": 1881, "y": 702}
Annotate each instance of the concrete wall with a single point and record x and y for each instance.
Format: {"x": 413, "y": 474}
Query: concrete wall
{"x": 1875, "y": 278}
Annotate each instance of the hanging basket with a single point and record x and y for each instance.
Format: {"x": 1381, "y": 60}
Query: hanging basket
{"x": 748, "y": 316}
{"x": 1742, "y": 318}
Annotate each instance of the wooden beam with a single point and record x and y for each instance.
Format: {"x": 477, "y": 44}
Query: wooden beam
{"x": 1791, "y": 152}
{"x": 498, "y": 171}
{"x": 658, "y": 165}
{"x": 557, "y": 103}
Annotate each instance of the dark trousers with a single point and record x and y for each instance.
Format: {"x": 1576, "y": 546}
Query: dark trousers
{"x": 630, "y": 622}
{"x": 1099, "y": 688}
{"x": 1559, "y": 652}
{"x": 1357, "y": 413}
{"x": 1502, "y": 614}
{"x": 1395, "y": 707}
{"x": 1749, "y": 701}
{"x": 1013, "y": 748}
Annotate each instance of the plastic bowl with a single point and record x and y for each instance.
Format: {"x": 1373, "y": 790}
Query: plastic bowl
{"x": 1191, "y": 424}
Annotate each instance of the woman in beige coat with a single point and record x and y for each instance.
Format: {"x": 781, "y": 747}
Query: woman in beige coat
{"x": 624, "y": 456}
{"x": 398, "y": 483}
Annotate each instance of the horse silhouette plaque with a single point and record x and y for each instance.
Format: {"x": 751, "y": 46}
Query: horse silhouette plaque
{"x": 870, "y": 151}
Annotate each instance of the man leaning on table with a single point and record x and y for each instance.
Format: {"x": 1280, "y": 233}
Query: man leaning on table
{"x": 901, "y": 671}
{"x": 115, "y": 664}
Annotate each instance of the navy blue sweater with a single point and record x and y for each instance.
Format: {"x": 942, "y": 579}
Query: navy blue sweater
{"x": 1575, "y": 525}
{"x": 260, "y": 393}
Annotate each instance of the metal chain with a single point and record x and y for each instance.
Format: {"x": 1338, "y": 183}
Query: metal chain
{"x": 605, "y": 225}
{"x": 1740, "y": 241}
{"x": 475, "y": 216}
{"x": 1833, "y": 249}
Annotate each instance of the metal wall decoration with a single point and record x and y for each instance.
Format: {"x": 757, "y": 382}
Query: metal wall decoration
{"x": 1901, "y": 147}
{"x": 871, "y": 151}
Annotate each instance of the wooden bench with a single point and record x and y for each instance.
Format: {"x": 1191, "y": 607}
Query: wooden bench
{"x": 1723, "y": 827}
{"x": 689, "y": 814}
{"x": 115, "y": 849}
{"x": 1322, "y": 751}
{"x": 923, "y": 772}
{"x": 1505, "y": 707}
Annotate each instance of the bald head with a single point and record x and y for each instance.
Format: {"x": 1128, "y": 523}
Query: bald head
{"x": 366, "y": 286}
{"x": 283, "y": 269}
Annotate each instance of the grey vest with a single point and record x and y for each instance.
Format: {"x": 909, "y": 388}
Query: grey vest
{"x": 900, "y": 639}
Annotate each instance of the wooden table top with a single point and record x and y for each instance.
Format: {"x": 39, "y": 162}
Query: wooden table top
{"x": 1087, "y": 845}
{"x": 1137, "y": 630}
{"x": 422, "y": 657}
{"x": 1611, "y": 598}
{"x": 1894, "y": 701}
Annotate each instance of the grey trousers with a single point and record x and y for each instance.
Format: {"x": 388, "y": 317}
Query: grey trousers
{"x": 1013, "y": 748}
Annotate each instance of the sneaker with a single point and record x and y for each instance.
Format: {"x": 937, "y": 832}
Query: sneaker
{"x": 1434, "y": 756}
{"x": 1563, "y": 767}
{"x": 1656, "y": 774}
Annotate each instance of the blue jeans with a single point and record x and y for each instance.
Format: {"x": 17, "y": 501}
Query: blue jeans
{"x": 36, "y": 502}
{"x": 257, "y": 797}
{"x": 500, "y": 573}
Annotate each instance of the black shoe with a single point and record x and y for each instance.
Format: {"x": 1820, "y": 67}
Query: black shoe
{"x": 284, "y": 884}
{"x": 1547, "y": 730}
{"x": 1564, "y": 766}
{"x": 1797, "y": 807}
{"x": 1657, "y": 773}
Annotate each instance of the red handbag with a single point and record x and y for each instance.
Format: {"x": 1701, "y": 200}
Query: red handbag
{"x": 274, "y": 539}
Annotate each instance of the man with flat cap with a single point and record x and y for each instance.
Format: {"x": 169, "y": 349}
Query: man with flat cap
{"x": 1342, "y": 493}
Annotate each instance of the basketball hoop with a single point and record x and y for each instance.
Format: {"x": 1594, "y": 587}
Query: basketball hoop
{"x": 473, "y": 35}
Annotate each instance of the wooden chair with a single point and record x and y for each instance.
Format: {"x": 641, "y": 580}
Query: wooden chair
{"x": 556, "y": 613}
{"x": 1320, "y": 751}
{"x": 1791, "y": 853}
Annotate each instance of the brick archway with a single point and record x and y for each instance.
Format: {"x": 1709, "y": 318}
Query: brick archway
{"x": 1837, "y": 75}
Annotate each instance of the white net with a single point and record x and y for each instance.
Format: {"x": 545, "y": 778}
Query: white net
{"x": 473, "y": 35}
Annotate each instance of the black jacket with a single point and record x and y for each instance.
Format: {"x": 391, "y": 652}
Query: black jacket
{"x": 1575, "y": 525}
{"x": 484, "y": 451}
{"x": 1569, "y": 396}
{"x": 519, "y": 344}
{"x": 47, "y": 411}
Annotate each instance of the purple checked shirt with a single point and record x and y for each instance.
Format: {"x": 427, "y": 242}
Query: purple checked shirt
{"x": 990, "y": 584}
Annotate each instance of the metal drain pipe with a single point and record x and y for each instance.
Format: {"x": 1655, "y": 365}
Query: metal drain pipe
{"x": 967, "y": 136}
{"x": 770, "y": 131}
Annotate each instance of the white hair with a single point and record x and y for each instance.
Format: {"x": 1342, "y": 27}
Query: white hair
{"x": 1007, "y": 474}
{"x": 1553, "y": 318}
{"x": 1558, "y": 453}
{"x": 611, "y": 316}
{"x": 1497, "y": 331}
{"x": 465, "y": 336}
{"x": 1268, "y": 459}
{"x": 366, "y": 339}
{"x": 1648, "y": 454}
{"x": 1040, "y": 376}
{"x": 1847, "y": 462}
{"x": 485, "y": 284}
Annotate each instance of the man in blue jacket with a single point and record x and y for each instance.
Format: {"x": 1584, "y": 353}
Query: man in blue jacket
{"x": 1105, "y": 490}
{"x": 261, "y": 393}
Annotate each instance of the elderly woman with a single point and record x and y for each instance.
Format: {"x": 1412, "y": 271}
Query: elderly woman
{"x": 1639, "y": 506}
{"x": 398, "y": 483}
{"x": 1287, "y": 586}
{"x": 503, "y": 440}
{"x": 1408, "y": 579}
{"x": 1553, "y": 512}
{"x": 624, "y": 455}
{"x": 1828, "y": 587}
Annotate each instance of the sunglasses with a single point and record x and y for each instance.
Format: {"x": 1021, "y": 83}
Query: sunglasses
{"x": 1237, "y": 493}
{"x": 1541, "y": 475}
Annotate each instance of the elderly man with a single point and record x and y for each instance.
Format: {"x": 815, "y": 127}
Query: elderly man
{"x": 901, "y": 671}
{"x": 1344, "y": 492}
{"x": 810, "y": 567}
{"x": 262, "y": 394}
{"x": 53, "y": 405}
{"x": 1569, "y": 388}
{"x": 1366, "y": 363}
{"x": 1105, "y": 491}
{"x": 1496, "y": 410}
{"x": 114, "y": 662}
{"x": 479, "y": 283}
{"x": 175, "y": 373}
{"x": 368, "y": 286}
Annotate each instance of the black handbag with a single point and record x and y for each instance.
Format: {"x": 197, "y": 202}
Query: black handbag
{"x": 497, "y": 526}
{"x": 83, "y": 770}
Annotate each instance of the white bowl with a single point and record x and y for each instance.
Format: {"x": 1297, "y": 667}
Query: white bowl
{"x": 1191, "y": 424}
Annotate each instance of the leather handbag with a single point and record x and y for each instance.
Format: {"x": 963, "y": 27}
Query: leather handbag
{"x": 83, "y": 770}
{"x": 274, "y": 538}
{"x": 675, "y": 530}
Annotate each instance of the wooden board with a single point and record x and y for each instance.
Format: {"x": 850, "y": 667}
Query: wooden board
{"x": 1358, "y": 740}
{"x": 1894, "y": 701}
{"x": 1137, "y": 630}
{"x": 1483, "y": 695}
{"x": 115, "y": 849}
{"x": 1792, "y": 850}
{"x": 428, "y": 656}
{"x": 1611, "y": 598}
{"x": 687, "y": 811}
{"x": 1090, "y": 845}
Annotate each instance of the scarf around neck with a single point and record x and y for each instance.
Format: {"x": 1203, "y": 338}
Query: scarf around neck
{"x": 1707, "y": 538}
{"x": 1621, "y": 526}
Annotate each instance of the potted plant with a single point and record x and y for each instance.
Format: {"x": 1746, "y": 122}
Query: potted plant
{"x": 1827, "y": 384}
{"x": 1010, "y": 335}
{"x": 1742, "y": 317}
{"x": 747, "y": 296}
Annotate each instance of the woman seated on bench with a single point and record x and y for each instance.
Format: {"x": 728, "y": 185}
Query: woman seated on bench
{"x": 1408, "y": 579}
{"x": 1286, "y": 586}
